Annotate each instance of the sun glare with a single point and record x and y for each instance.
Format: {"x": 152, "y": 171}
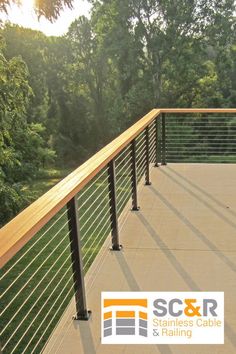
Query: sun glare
{"x": 25, "y": 16}
{"x": 28, "y": 4}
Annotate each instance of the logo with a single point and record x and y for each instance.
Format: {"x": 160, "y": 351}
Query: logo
{"x": 128, "y": 315}
{"x": 162, "y": 318}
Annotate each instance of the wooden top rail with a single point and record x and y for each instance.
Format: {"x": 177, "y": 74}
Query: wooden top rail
{"x": 15, "y": 234}
{"x": 198, "y": 110}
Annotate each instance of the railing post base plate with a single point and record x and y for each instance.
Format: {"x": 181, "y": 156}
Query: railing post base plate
{"x": 83, "y": 317}
{"x": 135, "y": 209}
{"x": 148, "y": 183}
{"x": 116, "y": 248}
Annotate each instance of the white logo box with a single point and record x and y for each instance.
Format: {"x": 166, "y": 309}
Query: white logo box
{"x": 162, "y": 318}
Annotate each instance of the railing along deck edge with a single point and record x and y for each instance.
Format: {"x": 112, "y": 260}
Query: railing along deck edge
{"x": 197, "y": 110}
{"x": 15, "y": 234}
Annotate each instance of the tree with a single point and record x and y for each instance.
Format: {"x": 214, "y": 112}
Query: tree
{"x": 49, "y": 8}
{"x": 84, "y": 88}
{"x": 22, "y": 147}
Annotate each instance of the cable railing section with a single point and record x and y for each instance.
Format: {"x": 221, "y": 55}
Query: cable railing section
{"x": 48, "y": 248}
{"x": 94, "y": 216}
{"x": 39, "y": 281}
{"x": 205, "y": 138}
{"x": 31, "y": 281}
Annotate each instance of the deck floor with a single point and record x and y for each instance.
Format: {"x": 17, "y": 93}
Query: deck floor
{"x": 182, "y": 239}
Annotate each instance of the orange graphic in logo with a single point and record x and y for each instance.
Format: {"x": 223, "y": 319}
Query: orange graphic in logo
{"x": 125, "y": 322}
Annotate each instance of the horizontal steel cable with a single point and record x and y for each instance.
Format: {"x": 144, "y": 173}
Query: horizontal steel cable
{"x": 122, "y": 178}
{"x": 70, "y": 278}
{"x": 140, "y": 138}
{"x": 141, "y": 158}
{"x": 51, "y": 318}
{"x": 124, "y": 189}
{"x": 202, "y": 133}
{"x": 122, "y": 153}
{"x": 206, "y": 149}
{"x": 221, "y": 142}
{"x": 121, "y": 162}
{"x": 123, "y": 167}
{"x": 140, "y": 151}
{"x": 105, "y": 198}
{"x": 140, "y": 147}
{"x": 88, "y": 229}
{"x": 152, "y": 155}
{"x": 140, "y": 142}
{"x": 208, "y": 117}
{"x": 19, "y": 275}
{"x": 92, "y": 182}
{"x": 140, "y": 155}
{"x": 51, "y": 280}
{"x": 117, "y": 165}
{"x": 200, "y": 125}
{"x": 122, "y": 196}
{"x": 90, "y": 246}
{"x": 36, "y": 241}
{"x": 31, "y": 277}
{"x": 152, "y": 145}
{"x": 89, "y": 238}
{"x": 92, "y": 194}
{"x": 152, "y": 138}
{"x": 88, "y": 260}
{"x": 95, "y": 200}
{"x": 127, "y": 194}
{"x": 217, "y": 155}
{"x": 143, "y": 167}
{"x": 122, "y": 205}
{"x": 152, "y": 134}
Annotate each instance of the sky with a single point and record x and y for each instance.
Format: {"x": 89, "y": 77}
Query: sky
{"x": 26, "y": 17}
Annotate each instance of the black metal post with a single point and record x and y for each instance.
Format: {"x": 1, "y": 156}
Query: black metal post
{"x": 113, "y": 207}
{"x": 135, "y": 206}
{"x": 156, "y": 142}
{"x": 163, "y": 147}
{"x": 77, "y": 264}
{"x": 147, "y": 169}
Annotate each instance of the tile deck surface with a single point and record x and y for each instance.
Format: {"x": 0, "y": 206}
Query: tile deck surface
{"x": 182, "y": 239}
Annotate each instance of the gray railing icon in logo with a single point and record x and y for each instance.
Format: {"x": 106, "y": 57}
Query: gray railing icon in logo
{"x": 130, "y": 322}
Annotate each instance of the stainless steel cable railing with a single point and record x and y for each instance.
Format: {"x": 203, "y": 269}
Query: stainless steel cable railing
{"x": 201, "y": 138}
{"x": 33, "y": 279}
{"x": 46, "y": 250}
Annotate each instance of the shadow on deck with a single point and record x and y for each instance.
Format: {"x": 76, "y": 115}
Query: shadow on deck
{"x": 182, "y": 239}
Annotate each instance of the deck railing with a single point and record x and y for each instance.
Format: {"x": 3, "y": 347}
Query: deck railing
{"x": 46, "y": 250}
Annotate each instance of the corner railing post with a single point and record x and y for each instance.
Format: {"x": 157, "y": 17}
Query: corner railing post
{"x": 163, "y": 147}
{"x": 113, "y": 207}
{"x": 135, "y": 206}
{"x": 156, "y": 142}
{"x": 77, "y": 264}
{"x": 147, "y": 169}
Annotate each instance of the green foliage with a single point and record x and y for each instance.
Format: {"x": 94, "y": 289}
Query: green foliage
{"x": 62, "y": 98}
{"x": 73, "y": 94}
{"x": 22, "y": 147}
